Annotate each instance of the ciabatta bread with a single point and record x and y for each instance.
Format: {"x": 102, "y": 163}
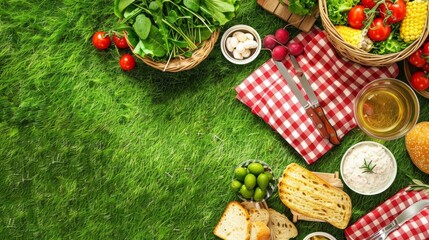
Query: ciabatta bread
{"x": 234, "y": 223}
{"x": 281, "y": 227}
{"x": 259, "y": 231}
{"x": 304, "y": 192}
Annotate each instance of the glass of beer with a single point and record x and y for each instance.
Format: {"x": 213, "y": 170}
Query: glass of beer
{"x": 386, "y": 109}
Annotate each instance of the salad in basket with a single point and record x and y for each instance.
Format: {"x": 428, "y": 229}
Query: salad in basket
{"x": 167, "y": 29}
{"x": 378, "y": 26}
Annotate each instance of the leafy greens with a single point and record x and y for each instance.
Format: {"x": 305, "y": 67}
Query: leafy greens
{"x": 338, "y": 10}
{"x": 301, "y": 7}
{"x": 163, "y": 29}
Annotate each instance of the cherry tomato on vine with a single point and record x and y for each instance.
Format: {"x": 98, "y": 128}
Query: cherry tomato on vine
{"x": 397, "y": 10}
{"x": 120, "y": 42}
{"x": 356, "y": 16}
{"x": 416, "y": 58}
{"x": 420, "y": 81}
{"x": 378, "y": 31}
{"x": 426, "y": 68}
{"x": 425, "y": 49}
{"x": 101, "y": 40}
{"x": 368, "y": 3}
{"x": 127, "y": 62}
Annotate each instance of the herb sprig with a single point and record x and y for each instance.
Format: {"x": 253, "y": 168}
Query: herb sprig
{"x": 418, "y": 186}
{"x": 367, "y": 166}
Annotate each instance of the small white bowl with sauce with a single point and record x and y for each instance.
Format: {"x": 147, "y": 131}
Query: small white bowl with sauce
{"x": 368, "y": 168}
{"x": 319, "y": 236}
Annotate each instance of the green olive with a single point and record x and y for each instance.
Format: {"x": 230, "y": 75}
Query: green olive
{"x": 256, "y": 168}
{"x": 270, "y": 176}
{"x": 259, "y": 194}
{"x": 246, "y": 193}
{"x": 263, "y": 180}
{"x": 250, "y": 181}
{"x": 235, "y": 185}
{"x": 240, "y": 173}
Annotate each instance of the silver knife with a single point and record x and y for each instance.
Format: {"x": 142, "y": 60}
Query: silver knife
{"x": 332, "y": 133}
{"x": 317, "y": 121}
{"x": 406, "y": 215}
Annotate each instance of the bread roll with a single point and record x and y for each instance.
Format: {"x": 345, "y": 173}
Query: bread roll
{"x": 304, "y": 192}
{"x": 417, "y": 144}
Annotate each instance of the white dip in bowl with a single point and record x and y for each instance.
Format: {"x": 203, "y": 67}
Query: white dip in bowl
{"x": 360, "y": 179}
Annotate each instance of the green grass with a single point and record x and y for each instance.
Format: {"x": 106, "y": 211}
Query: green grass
{"x": 88, "y": 151}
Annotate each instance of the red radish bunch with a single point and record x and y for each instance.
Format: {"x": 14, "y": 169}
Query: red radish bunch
{"x": 279, "y": 47}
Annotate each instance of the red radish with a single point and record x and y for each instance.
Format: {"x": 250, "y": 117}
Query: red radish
{"x": 279, "y": 53}
{"x": 269, "y": 41}
{"x": 282, "y": 35}
{"x": 295, "y": 48}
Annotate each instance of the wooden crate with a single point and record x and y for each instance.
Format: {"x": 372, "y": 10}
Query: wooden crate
{"x": 304, "y": 23}
{"x": 331, "y": 178}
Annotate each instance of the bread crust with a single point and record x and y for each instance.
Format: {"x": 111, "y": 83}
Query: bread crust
{"x": 304, "y": 192}
{"x": 417, "y": 144}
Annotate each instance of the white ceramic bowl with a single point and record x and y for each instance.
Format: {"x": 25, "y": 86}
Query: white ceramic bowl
{"x": 376, "y": 155}
{"x": 245, "y": 29}
{"x": 322, "y": 234}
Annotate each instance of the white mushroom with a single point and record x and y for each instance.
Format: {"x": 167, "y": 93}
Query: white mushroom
{"x": 228, "y": 45}
{"x": 235, "y": 34}
{"x": 241, "y": 37}
{"x": 237, "y": 55}
{"x": 240, "y": 47}
{"x": 233, "y": 41}
{"x": 249, "y": 36}
{"x": 246, "y": 53}
{"x": 250, "y": 44}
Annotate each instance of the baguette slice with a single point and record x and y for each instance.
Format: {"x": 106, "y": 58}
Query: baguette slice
{"x": 259, "y": 215}
{"x": 234, "y": 223}
{"x": 281, "y": 227}
{"x": 260, "y": 231}
{"x": 304, "y": 192}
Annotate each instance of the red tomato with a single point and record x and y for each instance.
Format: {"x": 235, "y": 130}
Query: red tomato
{"x": 101, "y": 40}
{"x": 425, "y": 49}
{"x": 426, "y": 68}
{"x": 419, "y": 81}
{"x": 120, "y": 42}
{"x": 378, "y": 31}
{"x": 356, "y": 16}
{"x": 397, "y": 11}
{"x": 368, "y": 3}
{"x": 127, "y": 62}
{"x": 416, "y": 58}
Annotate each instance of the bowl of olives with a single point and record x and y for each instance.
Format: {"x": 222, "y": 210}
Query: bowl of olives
{"x": 253, "y": 180}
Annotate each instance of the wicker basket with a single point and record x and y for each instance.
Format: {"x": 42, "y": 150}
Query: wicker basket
{"x": 409, "y": 70}
{"x": 360, "y": 56}
{"x": 181, "y": 63}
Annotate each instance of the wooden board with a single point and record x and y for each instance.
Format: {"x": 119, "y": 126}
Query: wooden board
{"x": 304, "y": 23}
{"x": 334, "y": 180}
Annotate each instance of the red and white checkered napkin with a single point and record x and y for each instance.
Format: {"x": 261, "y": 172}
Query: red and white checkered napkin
{"x": 416, "y": 228}
{"x": 335, "y": 80}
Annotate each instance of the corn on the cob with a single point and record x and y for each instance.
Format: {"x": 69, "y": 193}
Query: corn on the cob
{"x": 414, "y": 22}
{"x": 355, "y": 37}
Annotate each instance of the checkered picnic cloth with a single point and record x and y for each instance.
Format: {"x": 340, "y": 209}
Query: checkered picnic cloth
{"x": 416, "y": 228}
{"x": 335, "y": 80}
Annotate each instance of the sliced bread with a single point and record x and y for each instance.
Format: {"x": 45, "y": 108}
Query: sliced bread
{"x": 281, "y": 227}
{"x": 259, "y": 231}
{"x": 259, "y": 215}
{"x": 234, "y": 223}
{"x": 304, "y": 192}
